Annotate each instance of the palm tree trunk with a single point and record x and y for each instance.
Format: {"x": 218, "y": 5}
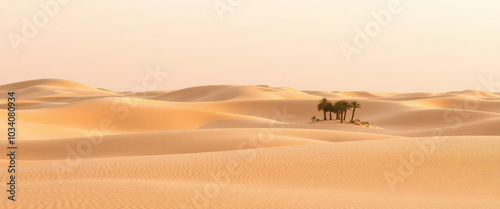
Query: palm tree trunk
{"x": 353, "y": 110}
{"x": 324, "y": 115}
{"x": 341, "y": 116}
{"x": 345, "y": 114}
{"x": 330, "y": 115}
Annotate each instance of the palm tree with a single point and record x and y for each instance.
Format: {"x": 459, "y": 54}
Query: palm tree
{"x": 348, "y": 106}
{"x": 336, "y": 110}
{"x": 330, "y": 109}
{"x": 343, "y": 107}
{"x": 322, "y": 106}
{"x": 355, "y": 105}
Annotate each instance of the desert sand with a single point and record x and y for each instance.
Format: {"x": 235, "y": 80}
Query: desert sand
{"x": 231, "y": 146}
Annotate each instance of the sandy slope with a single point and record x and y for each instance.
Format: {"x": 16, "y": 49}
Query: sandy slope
{"x": 251, "y": 147}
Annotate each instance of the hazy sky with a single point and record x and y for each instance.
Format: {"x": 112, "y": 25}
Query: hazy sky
{"x": 429, "y": 45}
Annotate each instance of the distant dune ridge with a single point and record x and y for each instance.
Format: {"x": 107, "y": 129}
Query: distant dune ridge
{"x": 230, "y": 146}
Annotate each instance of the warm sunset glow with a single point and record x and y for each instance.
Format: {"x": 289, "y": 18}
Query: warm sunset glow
{"x": 428, "y": 46}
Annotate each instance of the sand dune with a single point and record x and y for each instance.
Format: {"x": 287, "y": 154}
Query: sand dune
{"x": 472, "y": 103}
{"x": 226, "y": 92}
{"x": 473, "y": 93}
{"x": 364, "y": 94}
{"x": 54, "y": 83}
{"x": 47, "y": 87}
{"x": 333, "y": 175}
{"x": 178, "y": 142}
{"x": 232, "y": 146}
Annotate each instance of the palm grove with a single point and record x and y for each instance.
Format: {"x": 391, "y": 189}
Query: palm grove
{"x": 340, "y": 109}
